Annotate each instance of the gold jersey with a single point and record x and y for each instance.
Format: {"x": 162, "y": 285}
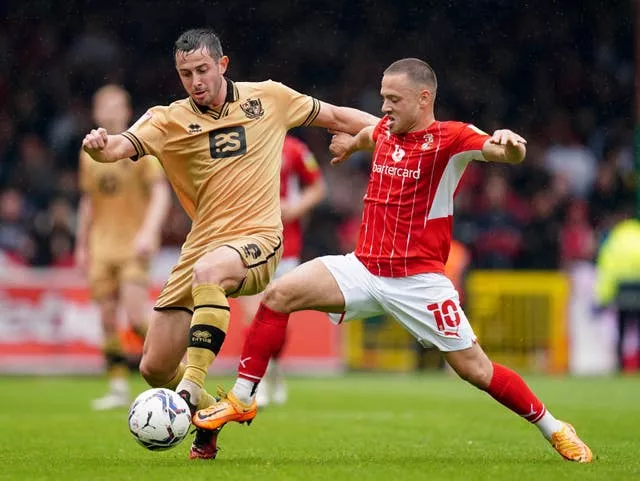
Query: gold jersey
{"x": 119, "y": 193}
{"x": 224, "y": 164}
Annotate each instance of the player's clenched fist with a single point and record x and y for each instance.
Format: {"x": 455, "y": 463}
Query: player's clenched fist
{"x": 342, "y": 146}
{"x": 95, "y": 140}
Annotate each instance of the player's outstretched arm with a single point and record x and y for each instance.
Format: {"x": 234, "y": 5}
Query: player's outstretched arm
{"x": 343, "y": 119}
{"x": 103, "y": 147}
{"x": 505, "y": 146}
{"x": 343, "y": 145}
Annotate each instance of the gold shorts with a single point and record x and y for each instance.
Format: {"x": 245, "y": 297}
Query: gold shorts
{"x": 259, "y": 253}
{"x": 106, "y": 276}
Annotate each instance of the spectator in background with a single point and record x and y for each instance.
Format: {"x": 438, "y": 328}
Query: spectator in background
{"x": 568, "y": 156}
{"x": 618, "y": 281}
{"x": 499, "y": 233}
{"x": 13, "y": 233}
{"x": 540, "y": 249}
{"x": 609, "y": 193}
{"x": 577, "y": 238}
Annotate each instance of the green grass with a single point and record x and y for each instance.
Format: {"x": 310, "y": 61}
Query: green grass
{"x": 358, "y": 427}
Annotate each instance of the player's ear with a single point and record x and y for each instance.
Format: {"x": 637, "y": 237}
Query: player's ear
{"x": 223, "y": 63}
{"x": 425, "y": 97}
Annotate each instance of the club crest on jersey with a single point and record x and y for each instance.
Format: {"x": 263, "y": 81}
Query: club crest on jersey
{"x": 428, "y": 142}
{"x": 252, "y": 108}
{"x": 398, "y": 154}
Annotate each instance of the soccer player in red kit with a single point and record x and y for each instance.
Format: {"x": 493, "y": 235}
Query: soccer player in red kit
{"x": 302, "y": 187}
{"x": 398, "y": 265}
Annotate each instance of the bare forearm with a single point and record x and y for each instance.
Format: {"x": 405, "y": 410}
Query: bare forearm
{"x": 311, "y": 196}
{"x": 352, "y": 121}
{"x": 343, "y": 119}
{"x": 117, "y": 147}
{"x": 158, "y": 208}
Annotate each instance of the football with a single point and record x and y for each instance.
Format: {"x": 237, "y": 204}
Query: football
{"x": 159, "y": 419}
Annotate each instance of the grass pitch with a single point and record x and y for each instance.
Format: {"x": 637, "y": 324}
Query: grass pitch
{"x": 358, "y": 427}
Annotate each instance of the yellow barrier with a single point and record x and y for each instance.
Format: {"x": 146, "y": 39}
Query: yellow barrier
{"x": 518, "y": 316}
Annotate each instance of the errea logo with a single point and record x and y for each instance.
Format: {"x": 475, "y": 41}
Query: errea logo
{"x": 194, "y": 129}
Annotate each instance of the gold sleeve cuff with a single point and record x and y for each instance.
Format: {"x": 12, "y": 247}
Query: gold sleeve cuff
{"x": 136, "y": 145}
{"x": 315, "y": 110}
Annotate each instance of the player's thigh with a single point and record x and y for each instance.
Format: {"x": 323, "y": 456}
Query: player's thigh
{"x": 428, "y": 306}
{"x": 355, "y": 283}
{"x": 166, "y": 341}
{"x": 223, "y": 266}
{"x": 309, "y": 286}
{"x": 259, "y": 255}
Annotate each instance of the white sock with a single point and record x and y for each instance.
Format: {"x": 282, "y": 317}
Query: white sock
{"x": 119, "y": 385}
{"x": 244, "y": 390}
{"x": 192, "y": 388}
{"x": 548, "y": 425}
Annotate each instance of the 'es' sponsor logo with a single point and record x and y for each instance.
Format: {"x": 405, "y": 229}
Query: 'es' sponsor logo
{"x": 227, "y": 142}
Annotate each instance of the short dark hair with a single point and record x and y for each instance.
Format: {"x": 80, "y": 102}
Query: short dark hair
{"x": 198, "y": 38}
{"x": 417, "y": 70}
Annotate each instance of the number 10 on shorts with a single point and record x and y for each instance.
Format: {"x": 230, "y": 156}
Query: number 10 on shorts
{"x": 447, "y": 317}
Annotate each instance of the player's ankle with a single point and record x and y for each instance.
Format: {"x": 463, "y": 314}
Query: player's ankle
{"x": 244, "y": 390}
{"x": 192, "y": 388}
{"x": 548, "y": 425}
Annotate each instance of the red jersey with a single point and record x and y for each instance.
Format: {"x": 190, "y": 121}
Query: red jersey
{"x": 408, "y": 208}
{"x": 299, "y": 169}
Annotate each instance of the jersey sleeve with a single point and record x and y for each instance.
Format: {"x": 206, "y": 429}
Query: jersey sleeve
{"x": 379, "y": 128}
{"x": 305, "y": 165}
{"x": 470, "y": 138}
{"x": 299, "y": 110}
{"x": 148, "y": 135}
{"x": 152, "y": 169}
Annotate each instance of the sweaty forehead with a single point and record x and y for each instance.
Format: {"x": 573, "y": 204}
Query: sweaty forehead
{"x": 193, "y": 58}
{"x": 395, "y": 82}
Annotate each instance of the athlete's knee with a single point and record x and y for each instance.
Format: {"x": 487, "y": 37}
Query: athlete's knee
{"x": 216, "y": 268}
{"x": 279, "y": 296}
{"x": 154, "y": 372}
{"x": 476, "y": 372}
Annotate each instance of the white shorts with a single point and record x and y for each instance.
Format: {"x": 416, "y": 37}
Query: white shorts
{"x": 427, "y": 305}
{"x": 286, "y": 265}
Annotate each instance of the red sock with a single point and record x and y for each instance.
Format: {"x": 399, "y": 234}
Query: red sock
{"x": 278, "y": 353}
{"x": 264, "y": 339}
{"x": 510, "y": 390}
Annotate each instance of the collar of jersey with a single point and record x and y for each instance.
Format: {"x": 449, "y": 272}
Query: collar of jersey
{"x": 232, "y": 96}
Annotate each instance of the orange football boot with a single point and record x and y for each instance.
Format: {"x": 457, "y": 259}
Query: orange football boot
{"x": 227, "y": 409}
{"x": 570, "y": 446}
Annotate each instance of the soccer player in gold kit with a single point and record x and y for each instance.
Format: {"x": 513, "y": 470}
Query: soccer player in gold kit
{"x": 221, "y": 150}
{"x": 121, "y": 211}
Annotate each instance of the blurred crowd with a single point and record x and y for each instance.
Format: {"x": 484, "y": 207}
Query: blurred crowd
{"x": 559, "y": 73}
